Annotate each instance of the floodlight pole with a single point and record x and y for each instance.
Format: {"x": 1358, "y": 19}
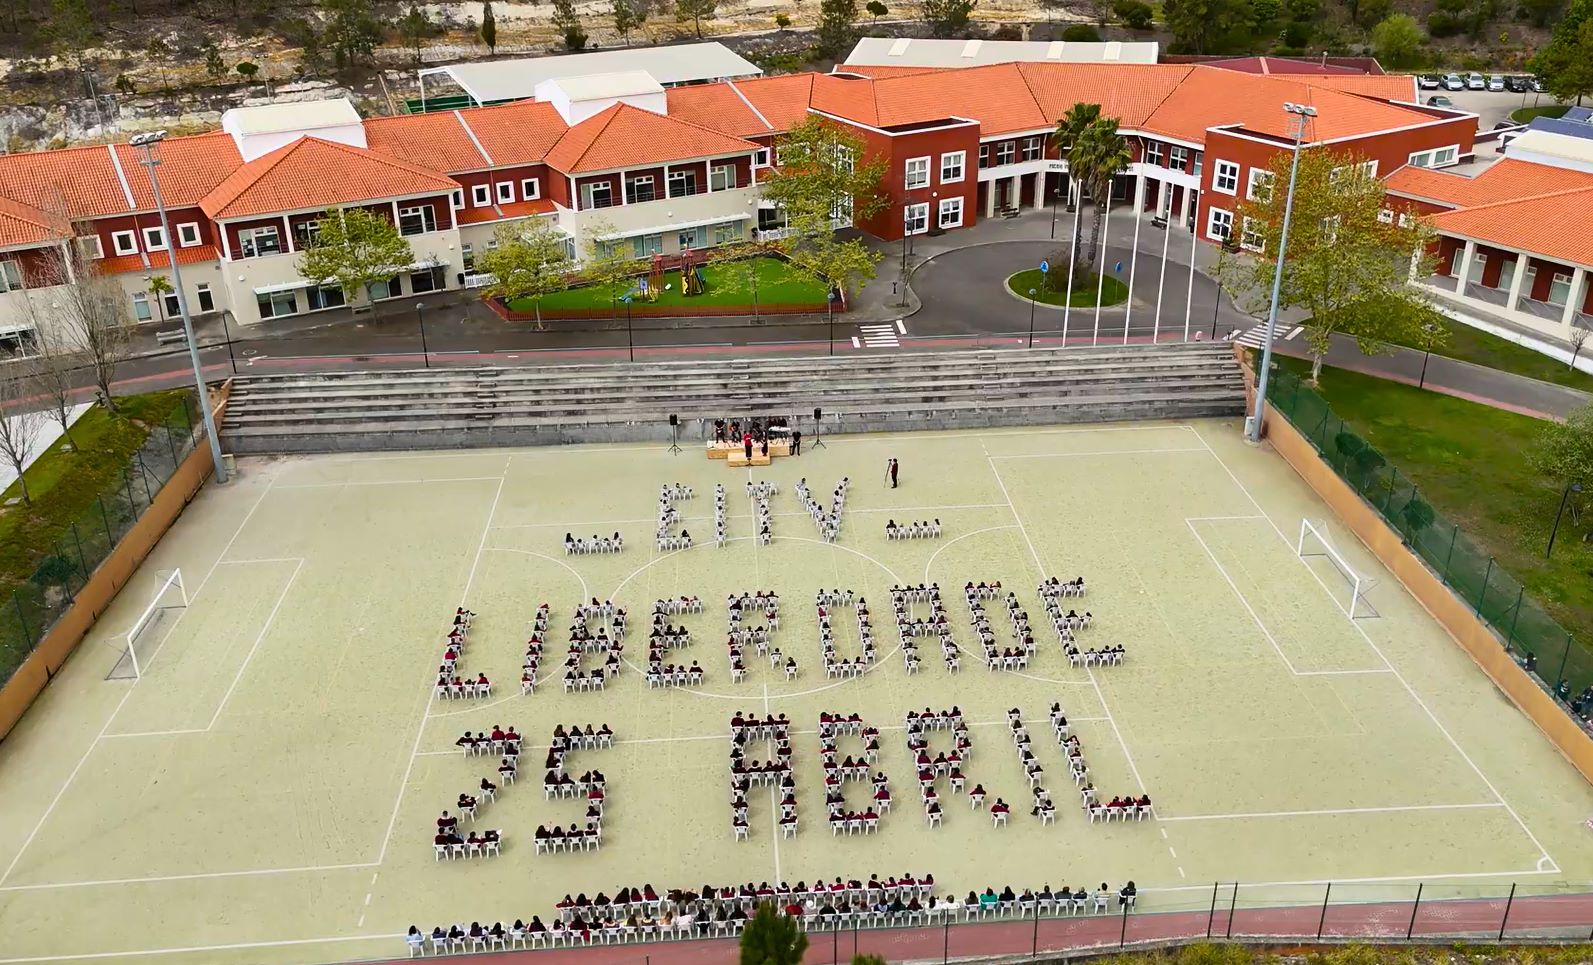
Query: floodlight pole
{"x": 1303, "y": 113}
{"x": 146, "y": 144}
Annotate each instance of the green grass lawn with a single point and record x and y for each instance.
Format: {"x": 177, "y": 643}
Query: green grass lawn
{"x": 1113, "y": 292}
{"x": 1522, "y": 115}
{"x": 727, "y": 284}
{"x": 1470, "y": 462}
{"x": 1474, "y": 345}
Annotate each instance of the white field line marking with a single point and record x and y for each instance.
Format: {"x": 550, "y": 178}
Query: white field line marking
{"x": 121, "y": 703}
{"x": 390, "y": 482}
{"x": 157, "y": 879}
{"x": 1397, "y": 675}
{"x": 190, "y": 949}
{"x": 265, "y": 559}
{"x": 1335, "y": 811}
{"x": 431, "y": 691}
{"x": 1440, "y": 876}
{"x": 1094, "y": 452}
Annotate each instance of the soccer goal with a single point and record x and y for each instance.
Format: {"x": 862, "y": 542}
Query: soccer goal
{"x": 1314, "y": 542}
{"x": 172, "y": 595}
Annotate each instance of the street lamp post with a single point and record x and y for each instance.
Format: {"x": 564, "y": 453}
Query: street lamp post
{"x": 1302, "y": 113}
{"x": 1429, "y": 333}
{"x": 146, "y": 144}
{"x": 1575, "y": 487}
{"x": 1031, "y": 317}
{"x": 420, "y": 317}
{"x": 630, "y": 333}
{"x": 1054, "y": 192}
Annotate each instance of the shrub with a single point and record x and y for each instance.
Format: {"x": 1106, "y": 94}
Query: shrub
{"x": 1136, "y": 14}
{"x": 1081, "y": 33}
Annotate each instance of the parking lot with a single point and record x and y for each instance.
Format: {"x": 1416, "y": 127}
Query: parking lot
{"x": 1490, "y": 107}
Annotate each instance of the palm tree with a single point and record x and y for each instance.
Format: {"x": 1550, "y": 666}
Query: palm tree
{"x": 1095, "y": 153}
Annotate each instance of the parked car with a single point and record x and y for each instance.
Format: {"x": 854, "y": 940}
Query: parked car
{"x": 1439, "y": 100}
{"x": 1453, "y": 82}
{"x": 1427, "y": 82}
{"x": 1538, "y": 85}
{"x": 1475, "y": 81}
{"x": 1517, "y": 84}
{"x": 1496, "y": 83}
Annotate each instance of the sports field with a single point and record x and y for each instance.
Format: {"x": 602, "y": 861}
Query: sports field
{"x": 267, "y": 791}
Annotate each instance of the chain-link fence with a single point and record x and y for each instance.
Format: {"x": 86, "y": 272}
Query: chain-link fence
{"x": 1531, "y": 634}
{"x": 28, "y": 612}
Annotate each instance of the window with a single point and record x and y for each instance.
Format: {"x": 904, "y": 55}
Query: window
{"x": 325, "y": 296}
{"x": 639, "y": 190}
{"x": 950, "y": 212}
{"x": 690, "y": 238}
{"x": 141, "y": 307}
{"x": 1226, "y": 178}
{"x": 984, "y": 155}
{"x": 456, "y": 200}
{"x": 1261, "y": 181}
{"x": 643, "y": 246}
{"x": 1559, "y": 288}
{"x": 480, "y": 195}
{"x": 90, "y": 246}
{"x": 1220, "y": 227}
{"x": 951, "y": 167}
{"x": 1250, "y": 237}
{"x": 424, "y": 281}
{"x": 259, "y": 241}
{"x": 761, "y": 159}
{"x": 124, "y": 242}
{"x": 530, "y": 189}
{"x": 207, "y": 301}
{"x": 597, "y": 194}
{"x": 467, "y": 255}
{"x": 154, "y": 239}
{"x": 1405, "y": 220}
{"x": 727, "y": 232}
{"x": 277, "y": 304}
{"x": 1033, "y": 147}
{"x": 10, "y": 276}
{"x": 682, "y": 183}
{"x": 173, "y": 307}
{"x": 188, "y": 234}
{"x": 414, "y": 221}
{"x": 1005, "y": 152}
{"x": 915, "y": 218}
{"x": 305, "y": 233}
{"x": 1330, "y": 228}
{"x": 1153, "y": 153}
{"x": 917, "y": 173}
{"x": 843, "y": 158}
{"x": 722, "y": 177}
{"x": 1386, "y": 216}
{"x": 1435, "y": 158}
{"x": 505, "y": 192}
{"x": 1200, "y": 163}
{"x": 391, "y": 288}
{"x": 1180, "y": 158}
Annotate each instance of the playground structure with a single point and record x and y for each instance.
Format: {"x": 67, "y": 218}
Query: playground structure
{"x": 691, "y": 278}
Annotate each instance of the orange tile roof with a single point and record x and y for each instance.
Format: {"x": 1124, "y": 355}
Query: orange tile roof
{"x": 1553, "y": 224}
{"x": 1129, "y": 92}
{"x": 994, "y": 95}
{"x": 717, "y": 106}
{"x": 1506, "y": 180}
{"x": 519, "y": 133}
{"x": 438, "y": 141}
{"x": 81, "y": 181}
{"x": 503, "y": 212}
{"x": 883, "y": 70}
{"x": 1211, "y": 97}
{"x": 625, "y": 136}
{"x": 1391, "y": 87}
{"x": 190, "y": 168}
{"x": 313, "y": 173}
{"x": 122, "y": 264}
{"x": 25, "y": 226}
{"x": 783, "y": 100}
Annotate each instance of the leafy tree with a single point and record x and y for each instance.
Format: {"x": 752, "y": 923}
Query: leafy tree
{"x": 413, "y": 28}
{"x": 1398, "y": 40}
{"x": 1566, "y": 64}
{"x": 568, "y": 23}
{"x": 947, "y": 18}
{"x": 696, "y": 11}
{"x": 70, "y": 30}
{"x": 1136, "y": 14}
{"x": 1417, "y": 516}
{"x": 351, "y": 31}
{"x": 1541, "y": 13}
{"x": 837, "y": 19}
{"x": 124, "y": 85}
{"x": 782, "y": 21}
{"x": 1345, "y": 266}
{"x": 772, "y": 938}
{"x": 247, "y": 70}
{"x": 868, "y": 960}
{"x": 1205, "y": 26}
{"x": 1563, "y": 451}
{"x": 607, "y": 266}
{"x": 214, "y": 65}
{"x": 628, "y": 16}
{"x": 489, "y": 27}
{"x": 354, "y": 248}
{"x": 1369, "y": 13}
{"x": 1081, "y": 33}
{"x": 1095, "y": 153}
{"x": 160, "y": 287}
{"x": 529, "y": 262}
{"x": 876, "y": 9}
{"x": 159, "y": 53}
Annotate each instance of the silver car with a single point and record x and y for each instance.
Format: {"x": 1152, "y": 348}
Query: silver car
{"x": 1496, "y": 83}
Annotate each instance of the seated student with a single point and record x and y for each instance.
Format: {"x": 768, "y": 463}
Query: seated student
{"x": 488, "y": 787}
{"x": 536, "y": 927}
{"x": 1126, "y": 894}
{"x": 438, "y": 936}
{"x": 468, "y": 741}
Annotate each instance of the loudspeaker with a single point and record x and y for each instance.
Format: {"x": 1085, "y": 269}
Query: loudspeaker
{"x": 818, "y": 413}
{"x": 674, "y": 420}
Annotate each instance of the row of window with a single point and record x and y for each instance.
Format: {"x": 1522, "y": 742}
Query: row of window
{"x": 126, "y": 242}
{"x": 1176, "y": 154}
{"x": 1011, "y": 152}
{"x": 644, "y": 187}
{"x": 482, "y": 195}
{"x": 704, "y": 236}
{"x": 915, "y": 217}
{"x": 320, "y": 297}
{"x": 267, "y": 239}
{"x": 204, "y": 302}
{"x": 1559, "y": 283}
{"x": 952, "y": 169}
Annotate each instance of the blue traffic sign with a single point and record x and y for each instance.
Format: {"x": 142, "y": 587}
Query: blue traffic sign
{"x": 1045, "y": 266}
{"x": 1118, "y": 268}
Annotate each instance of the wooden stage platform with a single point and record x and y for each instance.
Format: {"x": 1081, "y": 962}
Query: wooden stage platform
{"x": 735, "y": 454}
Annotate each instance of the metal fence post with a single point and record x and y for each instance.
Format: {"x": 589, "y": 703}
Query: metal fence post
{"x": 22, "y": 619}
{"x": 1232, "y": 904}
{"x": 1034, "y": 948}
{"x": 1563, "y": 658}
{"x": 81, "y": 559}
{"x": 1454, "y": 534}
{"x": 1508, "y": 902}
{"x": 1511, "y": 636}
{"x": 1212, "y": 915}
{"x": 1322, "y": 922}
{"x": 1122, "y": 938}
{"x": 1484, "y": 594}
{"x": 945, "y": 943}
{"x": 835, "y": 944}
{"x": 1413, "y": 908}
{"x": 110, "y": 535}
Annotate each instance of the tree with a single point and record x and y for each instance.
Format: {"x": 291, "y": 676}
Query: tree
{"x": 1563, "y": 451}
{"x": 528, "y": 262}
{"x": 1579, "y": 337}
{"x": 606, "y": 265}
{"x": 837, "y": 20}
{"x": 696, "y": 11}
{"x": 1095, "y": 153}
{"x": 1081, "y": 33}
{"x": 1541, "y": 13}
{"x": 489, "y": 27}
{"x": 629, "y": 15}
{"x": 1205, "y": 26}
{"x": 868, "y": 960}
{"x": 781, "y": 21}
{"x": 1136, "y": 14}
{"x": 1346, "y": 267}
{"x": 159, "y": 53}
{"x": 159, "y": 286}
{"x": 876, "y": 9}
{"x": 772, "y": 938}
{"x": 20, "y": 430}
{"x": 947, "y": 18}
{"x": 52, "y": 376}
{"x": 354, "y": 248}
{"x": 70, "y": 30}
{"x": 1398, "y": 40}
{"x": 124, "y": 85}
{"x": 1566, "y": 64}
{"x": 413, "y": 28}
{"x": 351, "y": 31}
{"x": 91, "y": 312}
{"x": 568, "y": 24}
{"x": 247, "y": 71}
{"x": 214, "y": 65}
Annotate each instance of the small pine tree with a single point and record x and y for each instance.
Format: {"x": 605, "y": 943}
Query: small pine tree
{"x": 489, "y": 27}
{"x": 772, "y": 938}
{"x": 876, "y": 9}
{"x": 568, "y": 23}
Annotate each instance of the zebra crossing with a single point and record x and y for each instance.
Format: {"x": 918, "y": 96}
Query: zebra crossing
{"x": 883, "y": 335}
{"x": 1256, "y": 337}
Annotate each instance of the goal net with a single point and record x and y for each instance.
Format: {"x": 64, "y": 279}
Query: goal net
{"x": 1314, "y": 542}
{"x": 140, "y": 640}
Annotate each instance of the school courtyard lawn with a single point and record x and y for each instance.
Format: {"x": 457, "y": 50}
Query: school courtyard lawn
{"x": 1085, "y": 287}
{"x": 1482, "y": 348}
{"x": 1471, "y": 463}
{"x": 727, "y": 284}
